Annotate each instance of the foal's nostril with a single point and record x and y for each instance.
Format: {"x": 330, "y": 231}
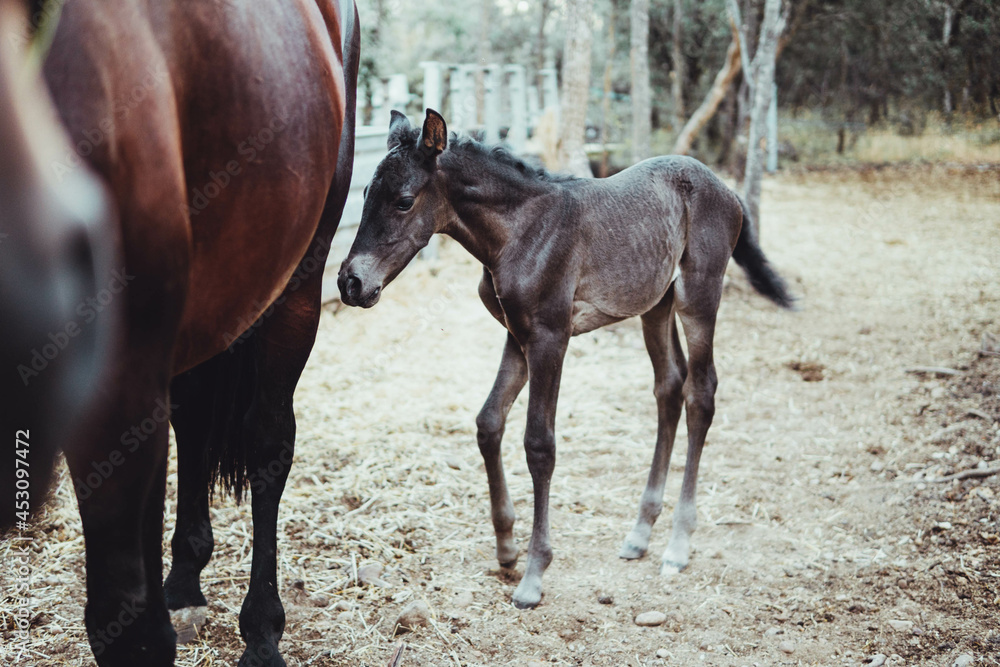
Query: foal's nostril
{"x": 353, "y": 287}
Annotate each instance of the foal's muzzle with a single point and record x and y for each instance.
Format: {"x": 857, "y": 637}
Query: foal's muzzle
{"x": 353, "y": 291}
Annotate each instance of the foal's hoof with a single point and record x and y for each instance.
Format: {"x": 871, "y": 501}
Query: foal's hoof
{"x": 631, "y": 551}
{"x": 527, "y": 596}
{"x": 669, "y": 568}
{"x": 509, "y": 565}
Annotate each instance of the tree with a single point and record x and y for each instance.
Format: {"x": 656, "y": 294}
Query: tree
{"x": 575, "y": 90}
{"x": 723, "y": 80}
{"x": 641, "y": 97}
{"x": 677, "y": 56}
{"x": 763, "y": 80}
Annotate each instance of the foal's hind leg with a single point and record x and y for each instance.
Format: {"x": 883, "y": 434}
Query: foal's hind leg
{"x": 659, "y": 328}
{"x": 193, "y": 393}
{"x": 490, "y": 424}
{"x": 698, "y": 301}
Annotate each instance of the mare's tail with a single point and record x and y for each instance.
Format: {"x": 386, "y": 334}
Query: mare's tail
{"x": 759, "y": 271}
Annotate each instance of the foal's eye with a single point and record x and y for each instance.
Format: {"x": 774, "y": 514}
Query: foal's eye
{"x": 405, "y": 204}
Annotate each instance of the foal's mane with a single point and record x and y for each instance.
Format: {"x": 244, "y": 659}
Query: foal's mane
{"x": 500, "y": 156}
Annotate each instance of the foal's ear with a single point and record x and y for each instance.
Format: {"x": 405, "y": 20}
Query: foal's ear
{"x": 434, "y": 136}
{"x": 399, "y": 129}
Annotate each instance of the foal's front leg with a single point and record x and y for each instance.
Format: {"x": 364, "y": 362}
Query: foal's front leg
{"x": 545, "y": 352}
{"x": 490, "y": 425}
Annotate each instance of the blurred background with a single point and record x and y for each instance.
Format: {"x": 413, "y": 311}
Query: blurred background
{"x": 855, "y": 80}
{"x": 594, "y": 86}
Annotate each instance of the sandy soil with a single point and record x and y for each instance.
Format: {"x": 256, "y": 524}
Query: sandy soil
{"x": 822, "y": 540}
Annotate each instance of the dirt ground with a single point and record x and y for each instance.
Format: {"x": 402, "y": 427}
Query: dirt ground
{"x": 823, "y": 536}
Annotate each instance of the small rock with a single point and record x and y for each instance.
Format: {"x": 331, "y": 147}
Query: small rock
{"x": 787, "y": 647}
{"x": 963, "y": 660}
{"x": 414, "y": 615}
{"x": 464, "y": 600}
{"x": 369, "y": 573}
{"x": 662, "y": 653}
{"x": 188, "y": 622}
{"x": 877, "y": 660}
{"x": 649, "y": 619}
{"x": 605, "y": 599}
{"x": 453, "y": 463}
{"x": 343, "y": 605}
{"x": 319, "y": 600}
{"x": 901, "y": 626}
{"x": 877, "y": 466}
{"x": 536, "y": 663}
{"x": 772, "y": 631}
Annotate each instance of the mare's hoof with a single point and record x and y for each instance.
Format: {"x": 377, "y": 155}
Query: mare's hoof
{"x": 188, "y": 623}
{"x": 263, "y": 655}
{"x": 631, "y": 551}
{"x": 509, "y": 565}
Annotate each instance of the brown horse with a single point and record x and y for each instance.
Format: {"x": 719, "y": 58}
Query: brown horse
{"x": 225, "y": 133}
{"x": 56, "y": 246}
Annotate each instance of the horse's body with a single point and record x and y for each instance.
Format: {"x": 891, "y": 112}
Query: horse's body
{"x": 56, "y": 243}
{"x": 225, "y": 133}
{"x": 562, "y": 256}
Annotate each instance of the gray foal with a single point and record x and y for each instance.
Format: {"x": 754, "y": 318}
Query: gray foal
{"x": 562, "y": 256}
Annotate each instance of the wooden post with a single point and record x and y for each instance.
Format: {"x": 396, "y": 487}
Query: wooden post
{"x": 491, "y": 103}
{"x": 517, "y": 133}
{"x": 432, "y": 85}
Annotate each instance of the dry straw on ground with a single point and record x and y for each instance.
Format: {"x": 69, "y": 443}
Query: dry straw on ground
{"x": 819, "y": 542}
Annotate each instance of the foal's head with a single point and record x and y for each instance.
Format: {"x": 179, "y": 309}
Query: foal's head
{"x": 403, "y": 209}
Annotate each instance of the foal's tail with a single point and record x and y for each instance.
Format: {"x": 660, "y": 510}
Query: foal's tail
{"x": 759, "y": 271}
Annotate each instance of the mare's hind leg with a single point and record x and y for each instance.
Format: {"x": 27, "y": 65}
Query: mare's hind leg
{"x": 697, "y": 303}
{"x": 659, "y": 328}
{"x": 193, "y": 393}
{"x": 490, "y": 424}
{"x": 281, "y": 348}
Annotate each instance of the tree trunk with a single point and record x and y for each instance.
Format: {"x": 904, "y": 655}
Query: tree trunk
{"x": 485, "y": 57}
{"x": 677, "y": 55}
{"x": 641, "y": 97}
{"x": 575, "y": 91}
{"x": 606, "y": 100}
{"x": 764, "y": 61}
{"x": 945, "y": 40}
{"x": 715, "y": 95}
{"x": 747, "y": 30}
{"x": 546, "y": 7}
